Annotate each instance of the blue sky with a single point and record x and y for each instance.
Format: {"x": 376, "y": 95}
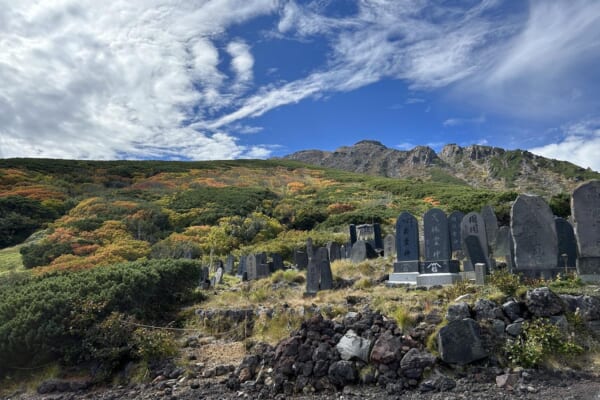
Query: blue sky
{"x": 223, "y": 79}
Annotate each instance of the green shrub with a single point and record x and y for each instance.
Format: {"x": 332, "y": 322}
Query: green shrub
{"x": 63, "y": 315}
{"x": 505, "y": 281}
{"x": 539, "y": 339}
{"x": 154, "y": 344}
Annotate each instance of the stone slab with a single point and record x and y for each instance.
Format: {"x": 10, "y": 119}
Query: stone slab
{"x": 437, "y": 267}
{"x": 437, "y": 279}
{"x": 404, "y": 278}
{"x": 406, "y": 266}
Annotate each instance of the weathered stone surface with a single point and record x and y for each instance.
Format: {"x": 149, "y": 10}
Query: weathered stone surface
{"x": 351, "y": 346}
{"x": 436, "y": 236}
{"x": 353, "y": 236}
{"x": 342, "y": 373}
{"x": 514, "y": 329}
{"x": 507, "y": 381}
{"x": 588, "y": 307}
{"x": 542, "y": 302}
{"x": 491, "y": 224}
{"x": 454, "y": 221}
{"x": 473, "y": 224}
{"x": 459, "y": 342}
{"x": 501, "y": 246}
{"x": 389, "y": 246}
{"x": 414, "y": 361}
{"x": 407, "y": 238}
{"x": 585, "y": 208}
{"x": 322, "y": 256}
{"x": 534, "y": 235}
{"x": 301, "y": 259}
{"x": 334, "y": 250}
{"x": 512, "y": 310}
{"x": 486, "y": 309}
{"x": 387, "y": 349}
{"x": 361, "y": 251}
{"x": 567, "y": 244}
{"x": 458, "y": 311}
{"x": 313, "y": 276}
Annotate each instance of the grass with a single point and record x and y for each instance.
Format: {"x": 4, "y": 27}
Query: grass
{"x": 27, "y": 380}
{"x": 10, "y": 260}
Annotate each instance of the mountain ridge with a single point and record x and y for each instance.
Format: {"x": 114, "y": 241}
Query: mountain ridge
{"x": 476, "y": 165}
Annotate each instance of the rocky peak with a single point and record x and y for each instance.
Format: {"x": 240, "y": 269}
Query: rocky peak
{"x": 451, "y": 151}
{"x": 370, "y": 143}
{"x": 422, "y": 155}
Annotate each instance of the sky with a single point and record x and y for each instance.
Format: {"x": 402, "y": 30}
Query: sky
{"x": 226, "y": 79}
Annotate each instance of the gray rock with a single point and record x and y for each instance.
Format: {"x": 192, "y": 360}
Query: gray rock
{"x": 342, "y": 373}
{"x": 458, "y": 311}
{"x": 542, "y": 302}
{"x": 514, "y": 329}
{"x": 508, "y": 381}
{"x": 438, "y": 383}
{"x": 498, "y": 327}
{"x": 588, "y": 307}
{"x": 486, "y": 309}
{"x": 459, "y": 342}
{"x": 512, "y": 310}
{"x": 560, "y": 321}
{"x": 352, "y": 346}
{"x": 414, "y": 361}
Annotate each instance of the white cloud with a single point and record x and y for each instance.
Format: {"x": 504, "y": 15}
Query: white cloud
{"x": 104, "y": 80}
{"x": 580, "y": 145}
{"x": 463, "y": 121}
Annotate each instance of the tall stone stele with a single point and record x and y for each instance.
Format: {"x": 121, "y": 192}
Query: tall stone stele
{"x": 585, "y": 209}
{"x": 534, "y": 237}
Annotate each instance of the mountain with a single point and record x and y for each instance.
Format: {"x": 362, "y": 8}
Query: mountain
{"x": 476, "y": 165}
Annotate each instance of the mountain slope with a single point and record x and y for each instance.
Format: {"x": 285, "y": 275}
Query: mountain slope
{"x": 476, "y": 165}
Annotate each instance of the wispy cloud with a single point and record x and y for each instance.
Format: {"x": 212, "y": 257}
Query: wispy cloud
{"x": 464, "y": 121}
{"x": 579, "y": 144}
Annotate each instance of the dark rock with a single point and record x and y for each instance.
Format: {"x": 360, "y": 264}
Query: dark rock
{"x": 387, "y": 349}
{"x": 486, "y": 309}
{"x": 288, "y": 347}
{"x": 542, "y": 302}
{"x": 514, "y": 329}
{"x": 439, "y": 383}
{"x": 459, "y": 342}
{"x": 413, "y": 363}
{"x": 48, "y": 386}
{"x": 458, "y": 311}
{"x": 588, "y": 307}
{"x": 342, "y": 373}
{"x": 512, "y": 310}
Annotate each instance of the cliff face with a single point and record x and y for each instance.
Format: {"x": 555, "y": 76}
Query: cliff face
{"x": 479, "y": 166}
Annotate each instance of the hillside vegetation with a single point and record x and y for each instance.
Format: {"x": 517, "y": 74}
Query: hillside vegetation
{"x": 100, "y": 213}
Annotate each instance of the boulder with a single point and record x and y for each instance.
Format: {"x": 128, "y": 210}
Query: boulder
{"x": 351, "y": 346}
{"x": 387, "y": 349}
{"x": 507, "y": 381}
{"x": 458, "y": 311}
{"x": 514, "y": 329}
{"x": 542, "y": 302}
{"x": 459, "y": 342}
{"x": 588, "y": 307}
{"x": 342, "y": 373}
{"x": 486, "y": 309}
{"x": 512, "y": 310}
{"x": 414, "y": 362}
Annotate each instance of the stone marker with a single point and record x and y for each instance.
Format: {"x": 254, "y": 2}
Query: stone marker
{"x": 309, "y": 248}
{"x": 473, "y": 224}
{"x": 325, "y": 267}
{"x": 251, "y": 267}
{"x": 204, "y": 278}
{"x": 377, "y": 240}
{"x": 475, "y": 252}
{"x": 343, "y": 252}
{"x": 352, "y": 234}
{"x": 437, "y": 244}
{"x": 491, "y": 224}
{"x": 277, "y": 261}
{"x": 567, "y": 244}
{"x": 407, "y": 243}
{"x": 334, "y": 251}
{"x": 389, "y": 246}
{"x": 501, "y": 247}
{"x": 242, "y": 271}
{"x": 313, "y": 276}
{"x": 480, "y": 272}
{"x": 301, "y": 259}
{"x": 534, "y": 234}
{"x": 229, "y": 264}
{"x": 218, "y": 276}
{"x": 361, "y": 251}
{"x": 454, "y": 221}
{"x": 585, "y": 209}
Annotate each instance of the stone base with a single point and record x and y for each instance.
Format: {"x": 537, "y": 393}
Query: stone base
{"x": 406, "y": 266}
{"x": 468, "y": 276}
{"x": 440, "y": 267}
{"x": 438, "y": 279}
{"x": 309, "y": 294}
{"x": 403, "y": 278}
{"x": 588, "y": 267}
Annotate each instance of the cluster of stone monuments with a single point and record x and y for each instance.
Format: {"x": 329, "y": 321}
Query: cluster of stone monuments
{"x": 452, "y": 247}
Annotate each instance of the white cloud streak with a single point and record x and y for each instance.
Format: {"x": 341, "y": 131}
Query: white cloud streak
{"x": 580, "y": 144}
